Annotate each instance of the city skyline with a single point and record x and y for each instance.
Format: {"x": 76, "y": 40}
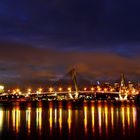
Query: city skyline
{"x": 42, "y": 40}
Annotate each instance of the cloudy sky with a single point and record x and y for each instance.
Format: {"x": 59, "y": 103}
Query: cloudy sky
{"x": 43, "y": 39}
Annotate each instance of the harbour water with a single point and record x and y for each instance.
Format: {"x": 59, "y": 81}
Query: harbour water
{"x": 69, "y": 121}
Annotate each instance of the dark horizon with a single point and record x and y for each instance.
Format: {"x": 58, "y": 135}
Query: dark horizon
{"x": 67, "y": 81}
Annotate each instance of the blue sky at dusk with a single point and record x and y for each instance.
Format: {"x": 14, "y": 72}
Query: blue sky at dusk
{"x": 43, "y": 39}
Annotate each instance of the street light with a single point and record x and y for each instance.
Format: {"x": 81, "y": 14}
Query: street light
{"x": 85, "y": 89}
{"x": 105, "y": 89}
{"x": 17, "y": 90}
{"x": 69, "y": 89}
{"x": 60, "y": 89}
{"x": 99, "y": 89}
{"x": 50, "y": 89}
{"x": 1, "y": 88}
{"x": 40, "y": 89}
{"x": 29, "y": 90}
{"x": 92, "y": 89}
{"x": 13, "y": 91}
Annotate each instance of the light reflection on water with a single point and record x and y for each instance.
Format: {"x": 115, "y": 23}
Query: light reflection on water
{"x": 100, "y": 119}
{"x": 85, "y": 119}
{"x": 93, "y": 120}
{"x": 50, "y": 118}
{"x": 60, "y": 119}
{"x": 69, "y": 118}
{"x": 28, "y": 119}
{"x": 1, "y": 120}
{"x": 15, "y": 119}
{"x": 39, "y": 119}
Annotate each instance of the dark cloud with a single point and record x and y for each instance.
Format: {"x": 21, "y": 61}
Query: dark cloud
{"x": 71, "y": 23}
{"x": 22, "y": 62}
{"x": 42, "y": 39}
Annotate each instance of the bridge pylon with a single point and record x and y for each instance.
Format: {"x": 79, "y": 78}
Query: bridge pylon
{"x": 75, "y": 83}
{"x": 122, "y": 91}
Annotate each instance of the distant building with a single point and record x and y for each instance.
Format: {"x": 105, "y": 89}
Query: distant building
{"x": 130, "y": 85}
{"x": 116, "y": 85}
{"x": 1, "y": 88}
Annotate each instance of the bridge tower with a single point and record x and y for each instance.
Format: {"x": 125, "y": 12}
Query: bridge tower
{"x": 122, "y": 91}
{"x": 75, "y": 83}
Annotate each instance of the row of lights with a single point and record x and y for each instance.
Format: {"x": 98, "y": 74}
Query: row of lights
{"x": 134, "y": 91}
{"x": 40, "y": 90}
{"x": 60, "y": 89}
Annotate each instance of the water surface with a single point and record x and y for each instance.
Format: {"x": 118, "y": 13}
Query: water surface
{"x": 70, "y": 121}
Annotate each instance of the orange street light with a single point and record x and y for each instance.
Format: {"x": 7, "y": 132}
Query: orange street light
{"x": 50, "y": 89}
{"x": 92, "y": 89}
{"x": 105, "y": 89}
{"x": 85, "y": 89}
{"x": 60, "y": 89}
{"x": 29, "y": 90}
{"x": 40, "y": 89}
{"x": 69, "y": 89}
{"x": 99, "y": 89}
{"x": 17, "y": 90}
{"x": 13, "y": 91}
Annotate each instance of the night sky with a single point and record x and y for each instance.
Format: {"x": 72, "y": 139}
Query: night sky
{"x": 43, "y": 39}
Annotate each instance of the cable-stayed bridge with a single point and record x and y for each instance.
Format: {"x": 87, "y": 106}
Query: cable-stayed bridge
{"x": 74, "y": 86}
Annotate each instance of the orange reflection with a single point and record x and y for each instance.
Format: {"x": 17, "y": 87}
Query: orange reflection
{"x": 106, "y": 119}
{"x": 123, "y": 119}
{"x": 8, "y": 117}
{"x": 134, "y": 116}
{"x": 60, "y": 119}
{"x": 50, "y": 119}
{"x": 17, "y": 119}
{"x": 69, "y": 118}
{"x": 28, "y": 119}
{"x": 13, "y": 118}
{"x": 76, "y": 115}
{"x": 93, "y": 121}
{"x": 39, "y": 119}
{"x": 128, "y": 117}
{"x": 100, "y": 119}
{"x": 85, "y": 119}
{"x": 112, "y": 118}
{"x": 117, "y": 115}
{"x": 55, "y": 116}
{"x": 1, "y": 120}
